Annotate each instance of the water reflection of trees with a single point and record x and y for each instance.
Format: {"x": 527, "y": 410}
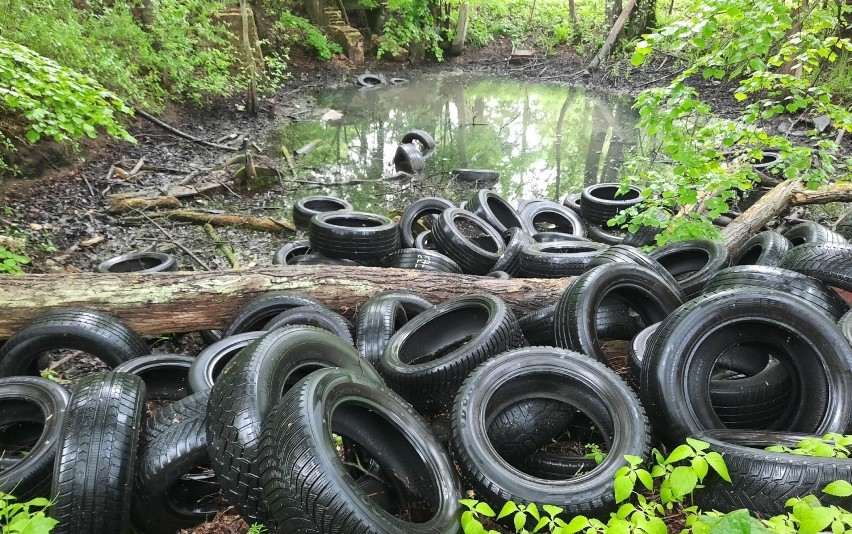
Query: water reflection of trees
{"x": 544, "y": 140}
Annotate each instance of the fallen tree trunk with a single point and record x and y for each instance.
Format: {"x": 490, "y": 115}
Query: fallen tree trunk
{"x": 186, "y": 301}
{"x": 262, "y": 224}
{"x": 779, "y": 199}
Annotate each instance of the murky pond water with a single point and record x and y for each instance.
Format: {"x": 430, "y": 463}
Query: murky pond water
{"x": 544, "y": 140}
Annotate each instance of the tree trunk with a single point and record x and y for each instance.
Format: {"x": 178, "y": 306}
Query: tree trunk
{"x": 188, "y": 301}
{"x": 844, "y": 19}
{"x": 572, "y": 10}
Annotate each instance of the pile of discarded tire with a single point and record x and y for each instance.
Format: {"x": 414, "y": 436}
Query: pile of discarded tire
{"x": 307, "y": 421}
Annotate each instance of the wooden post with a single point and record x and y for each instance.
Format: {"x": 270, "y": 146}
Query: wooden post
{"x": 603, "y": 53}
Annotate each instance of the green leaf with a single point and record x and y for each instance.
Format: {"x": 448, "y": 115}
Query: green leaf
{"x": 483, "y": 509}
{"x": 632, "y": 460}
{"x": 736, "y": 522}
{"x": 683, "y": 480}
{"x": 551, "y": 510}
{"x": 33, "y": 136}
{"x": 507, "y": 509}
{"x": 541, "y": 523}
{"x": 838, "y": 488}
{"x": 681, "y": 451}
{"x": 699, "y": 465}
{"x": 575, "y": 525}
{"x": 697, "y": 444}
{"x": 637, "y": 59}
{"x": 740, "y": 96}
{"x": 718, "y": 464}
{"x": 520, "y": 520}
{"x": 623, "y": 488}
{"x": 813, "y": 520}
{"x": 645, "y": 479}
{"x": 532, "y": 509}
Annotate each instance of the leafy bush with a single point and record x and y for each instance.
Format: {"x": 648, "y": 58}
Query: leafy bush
{"x": 57, "y": 102}
{"x": 294, "y": 29}
{"x": 410, "y": 22}
{"x": 10, "y": 262}
{"x": 18, "y": 518}
{"x": 755, "y": 46}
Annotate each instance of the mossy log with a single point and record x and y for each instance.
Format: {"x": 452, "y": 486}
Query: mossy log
{"x": 186, "y": 301}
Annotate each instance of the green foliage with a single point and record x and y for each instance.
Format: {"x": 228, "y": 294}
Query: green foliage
{"x": 182, "y": 53}
{"x": 754, "y": 45}
{"x": 256, "y": 528}
{"x": 10, "y": 263}
{"x": 24, "y": 517}
{"x": 829, "y": 446}
{"x": 57, "y": 102}
{"x": 410, "y": 22}
{"x": 595, "y": 453}
{"x": 293, "y": 29}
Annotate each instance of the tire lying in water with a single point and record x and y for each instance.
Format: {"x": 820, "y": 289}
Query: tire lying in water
{"x": 310, "y": 489}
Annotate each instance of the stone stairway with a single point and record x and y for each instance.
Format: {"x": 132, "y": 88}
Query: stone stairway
{"x": 346, "y": 36}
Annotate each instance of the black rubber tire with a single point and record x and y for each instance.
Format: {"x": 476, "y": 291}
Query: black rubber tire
{"x": 210, "y": 336}
{"x": 762, "y": 481}
{"x": 413, "y": 304}
{"x": 95, "y": 333}
{"x": 608, "y": 236}
{"x": 288, "y": 251}
{"x": 752, "y": 401}
{"x": 306, "y": 207}
{"x": 409, "y": 159}
{"x": 139, "y": 263}
{"x": 573, "y": 202}
{"x": 500, "y": 275}
{"x": 639, "y": 288}
{"x": 429, "y": 357}
{"x": 370, "y": 80}
{"x": 646, "y": 235}
{"x": 845, "y": 325}
{"x": 493, "y": 209}
{"x": 525, "y": 426}
{"x": 475, "y": 175}
{"x": 830, "y": 263}
{"x": 425, "y": 241}
{"x": 459, "y": 245}
{"x": 537, "y": 326}
{"x": 256, "y": 313}
{"x": 354, "y": 236}
{"x": 377, "y": 320}
{"x": 843, "y": 225}
{"x": 27, "y": 401}
{"x": 693, "y": 263}
{"x": 681, "y": 357}
{"x": 310, "y": 490}
{"x": 560, "y": 375}
{"x": 421, "y": 260}
{"x": 812, "y": 233}
{"x": 96, "y": 455}
{"x": 313, "y": 316}
{"x": 166, "y": 376}
{"x": 765, "y": 248}
{"x": 809, "y": 289}
{"x": 173, "y": 445}
{"x": 245, "y": 393}
{"x": 555, "y": 260}
{"x": 599, "y": 202}
{"x": 553, "y": 237}
{"x": 628, "y": 254}
{"x": 510, "y": 261}
{"x": 548, "y": 216}
{"x": 554, "y": 466}
{"x": 211, "y": 361}
{"x": 425, "y": 141}
{"x": 424, "y": 210}
{"x": 759, "y": 398}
